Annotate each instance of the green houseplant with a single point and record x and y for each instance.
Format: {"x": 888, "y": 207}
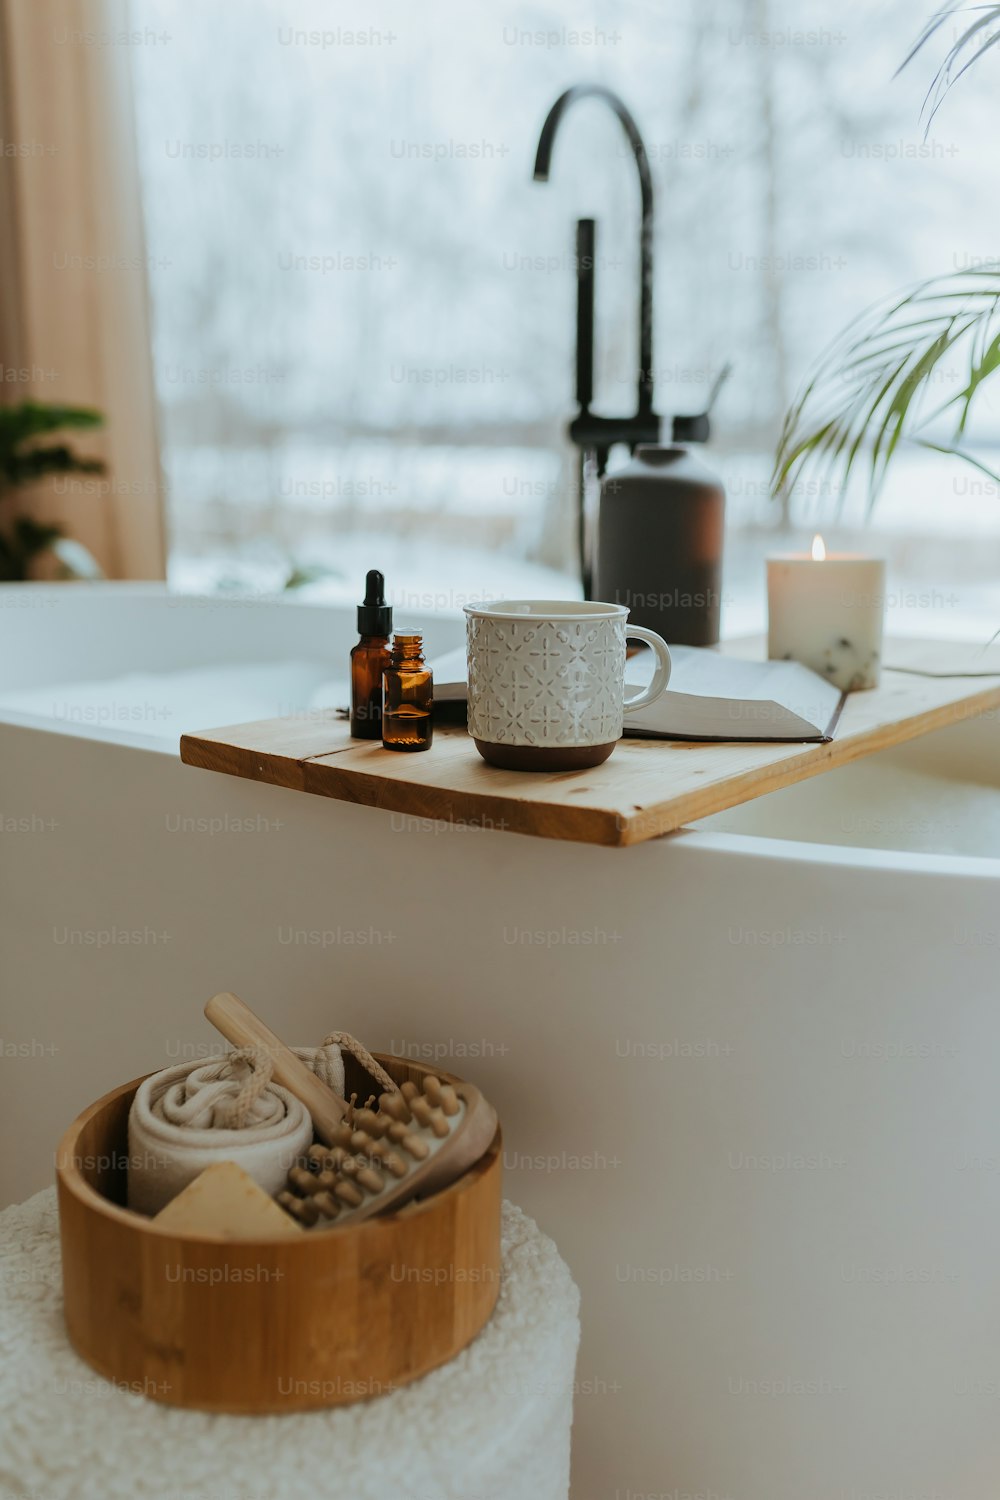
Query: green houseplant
{"x": 25, "y": 457}
{"x": 873, "y": 387}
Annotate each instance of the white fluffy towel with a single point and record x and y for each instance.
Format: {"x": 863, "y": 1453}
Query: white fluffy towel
{"x": 491, "y": 1424}
{"x": 181, "y": 1121}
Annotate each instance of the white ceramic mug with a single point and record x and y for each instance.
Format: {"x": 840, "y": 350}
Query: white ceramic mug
{"x": 547, "y": 681}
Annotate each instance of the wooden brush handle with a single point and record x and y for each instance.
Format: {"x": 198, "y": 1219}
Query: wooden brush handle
{"x": 239, "y": 1025}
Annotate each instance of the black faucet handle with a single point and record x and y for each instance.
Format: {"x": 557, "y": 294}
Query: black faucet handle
{"x": 697, "y": 427}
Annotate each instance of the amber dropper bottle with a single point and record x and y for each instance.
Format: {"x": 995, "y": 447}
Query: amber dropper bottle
{"x": 369, "y": 659}
{"x": 408, "y": 697}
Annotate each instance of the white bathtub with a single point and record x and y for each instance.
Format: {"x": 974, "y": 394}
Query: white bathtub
{"x": 748, "y": 1082}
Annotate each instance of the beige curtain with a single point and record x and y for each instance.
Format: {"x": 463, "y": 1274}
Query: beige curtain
{"x": 74, "y": 316}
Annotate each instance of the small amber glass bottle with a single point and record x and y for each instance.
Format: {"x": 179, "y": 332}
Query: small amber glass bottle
{"x": 408, "y": 697}
{"x": 369, "y": 659}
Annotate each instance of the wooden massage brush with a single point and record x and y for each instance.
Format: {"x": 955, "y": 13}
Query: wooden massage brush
{"x": 416, "y": 1142}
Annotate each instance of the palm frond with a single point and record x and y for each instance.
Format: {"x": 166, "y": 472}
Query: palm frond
{"x": 977, "y": 36}
{"x": 870, "y": 389}
{"x": 953, "y": 452}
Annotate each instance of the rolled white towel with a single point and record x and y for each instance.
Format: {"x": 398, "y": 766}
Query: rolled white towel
{"x": 180, "y": 1118}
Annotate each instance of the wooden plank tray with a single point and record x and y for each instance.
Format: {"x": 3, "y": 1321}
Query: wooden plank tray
{"x": 647, "y": 788}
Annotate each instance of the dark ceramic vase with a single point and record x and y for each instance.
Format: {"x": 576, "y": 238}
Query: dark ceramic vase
{"x": 659, "y": 544}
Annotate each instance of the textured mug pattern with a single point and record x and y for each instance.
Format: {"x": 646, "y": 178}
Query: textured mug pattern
{"x": 545, "y": 682}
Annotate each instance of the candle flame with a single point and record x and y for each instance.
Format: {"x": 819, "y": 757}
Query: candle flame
{"x": 819, "y": 550}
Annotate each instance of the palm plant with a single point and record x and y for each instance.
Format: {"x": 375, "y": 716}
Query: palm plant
{"x": 25, "y": 458}
{"x": 874, "y": 385}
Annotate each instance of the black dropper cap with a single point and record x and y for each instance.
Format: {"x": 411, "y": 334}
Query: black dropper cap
{"x": 374, "y": 616}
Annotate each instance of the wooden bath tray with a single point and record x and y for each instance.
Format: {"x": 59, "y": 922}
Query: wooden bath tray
{"x": 647, "y": 788}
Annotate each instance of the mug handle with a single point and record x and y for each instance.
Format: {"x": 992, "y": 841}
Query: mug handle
{"x": 661, "y": 672}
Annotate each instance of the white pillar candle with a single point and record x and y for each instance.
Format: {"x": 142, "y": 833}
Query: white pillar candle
{"x": 826, "y": 611}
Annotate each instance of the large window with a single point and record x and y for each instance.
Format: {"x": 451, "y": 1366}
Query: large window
{"x": 364, "y": 306}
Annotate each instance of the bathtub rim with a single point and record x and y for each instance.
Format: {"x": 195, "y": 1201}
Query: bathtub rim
{"x": 684, "y": 842}
{"x": 690, "y": 839}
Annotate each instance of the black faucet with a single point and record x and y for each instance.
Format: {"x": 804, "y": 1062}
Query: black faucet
{"x": 591, "y": 433}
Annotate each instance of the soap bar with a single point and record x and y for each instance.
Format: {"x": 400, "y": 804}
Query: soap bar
{"x": 225, "y": 1200}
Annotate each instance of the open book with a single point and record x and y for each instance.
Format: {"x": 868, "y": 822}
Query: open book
{"x": 710, "y": 697}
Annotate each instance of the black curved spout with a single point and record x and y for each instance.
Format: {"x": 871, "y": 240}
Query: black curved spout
{"x": 542, "y": 161}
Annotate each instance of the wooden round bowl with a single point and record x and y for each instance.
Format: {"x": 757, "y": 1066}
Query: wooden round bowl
{"x": 321, "y": 1319}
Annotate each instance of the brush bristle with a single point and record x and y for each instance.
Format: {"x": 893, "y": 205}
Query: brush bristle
{"x": 372, "y": 1149}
